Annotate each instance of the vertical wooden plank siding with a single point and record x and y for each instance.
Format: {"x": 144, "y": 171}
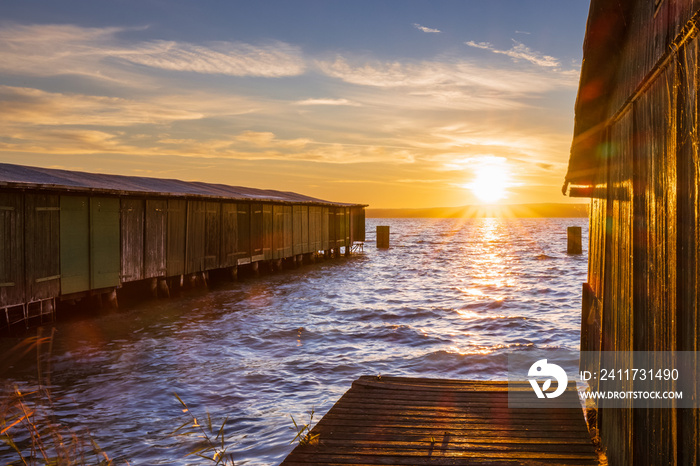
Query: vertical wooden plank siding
{"x": 229, "y": 239}
{"x": 267, "y": 231}
{"x": 297, "y": 239}
{"x": 176, "y": 237}
{"x": 75, "y": 244}
{"x": 11, "y": 247}
{"x": 659, "y": 425}
{"x": 313, "y": 229}
{"x": 104, "y": 242}
{"x": 617, "y": 301}
{"x": 277, "y": 231}
{"x": 256, "y": 232}
{"x": 305, "y": 242}
{"x": 332, "y": 228}
{"x": 325, "y": 229}
{"x": 196, "y": 235}
{"x": 212, "y": 235}
{"x": 688, "y": 241}
{"x": 348, "y": 231}
{"x": 243, "y": 252}
{"x": 155, "y": 230}
{"x": 341, "y": 227}
{"x": 132, "y": 234}
{"x": 647, "y": 268}
{"x": 42, "y": 248}
{"x": 55, "y": 243}
{"x": 288, "y": 232}
{"x": 357, "y": 225}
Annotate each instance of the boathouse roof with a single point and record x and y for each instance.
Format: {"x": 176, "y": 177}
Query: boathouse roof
{"x": 606, "y": 34}
{"x": 20, "y": 176}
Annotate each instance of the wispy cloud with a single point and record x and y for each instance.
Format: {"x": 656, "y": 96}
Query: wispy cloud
{"x": 49, "y": 50}
{"x": 27, "y": 106}
{"x": 274, "y": 60}
{"x": 436, "y": 76}
{"x": 519, "y": 51}
{"x": 426, "y": 29}
{"x": 342, "y": 102}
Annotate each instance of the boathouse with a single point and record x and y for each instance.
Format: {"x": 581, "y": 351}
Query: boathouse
{"x": 65, "y": 235}
{"x": 635, "y": 155}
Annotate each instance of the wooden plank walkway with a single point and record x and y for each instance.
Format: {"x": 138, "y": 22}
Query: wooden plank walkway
{"x": 406, "y": 421}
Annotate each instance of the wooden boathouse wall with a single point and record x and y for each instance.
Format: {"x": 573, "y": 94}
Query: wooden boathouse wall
{"x": 635, "y": 153}
{"x": 77, "y": 239}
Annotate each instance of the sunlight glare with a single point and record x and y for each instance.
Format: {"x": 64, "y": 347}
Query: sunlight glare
{"x": 491, "y": 179}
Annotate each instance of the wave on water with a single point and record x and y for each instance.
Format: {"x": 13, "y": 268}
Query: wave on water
{"x": 450, "y": 299}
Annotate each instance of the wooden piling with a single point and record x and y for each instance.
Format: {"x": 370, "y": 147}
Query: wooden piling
{"x": 382, "y": 237}
{"x": 163, "y": 289}
{"x": 573, "y": 244}
{"x": 153, "y": 286}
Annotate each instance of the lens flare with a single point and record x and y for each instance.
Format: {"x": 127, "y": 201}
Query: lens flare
{"x": 491, "y": 180}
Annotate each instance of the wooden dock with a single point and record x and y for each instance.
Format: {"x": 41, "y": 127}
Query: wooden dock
{"x": 405, "y": 421}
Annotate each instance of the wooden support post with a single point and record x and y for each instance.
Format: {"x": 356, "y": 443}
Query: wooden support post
{"x": 112, "y": 299}
{"x": 163, "y": 289}
{"x": 154, "y": 287}
{"x": 573, "y": 236}
{"x": 382, "y": 237}
{"x": 234, "y": 272}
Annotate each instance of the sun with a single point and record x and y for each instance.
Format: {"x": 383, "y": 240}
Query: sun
{"x": 491, "y": 180}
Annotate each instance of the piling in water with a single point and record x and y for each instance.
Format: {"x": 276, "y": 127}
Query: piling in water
{"x": 382, "y": 237}
{"x": 573, "y": 236}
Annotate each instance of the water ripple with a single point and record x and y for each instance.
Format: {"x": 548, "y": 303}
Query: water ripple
{"x": 450, "y": 299}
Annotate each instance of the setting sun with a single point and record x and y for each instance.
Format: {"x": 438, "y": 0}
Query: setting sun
{"x": 491, "y": 180}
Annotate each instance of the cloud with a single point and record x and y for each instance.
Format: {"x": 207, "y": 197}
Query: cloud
{"x": 327, "y": 102}
{"x": 26, "y": 106}
{"x": 450, "y": 80}
{"x": 50, "y": 50}
{"x": 233, "y": 59}
{"x": 426, "y": 29}
{"x": 519, "y": 51}
{"x": 456, "y": 146}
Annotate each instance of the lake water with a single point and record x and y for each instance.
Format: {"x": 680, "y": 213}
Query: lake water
{"x": 450, "y": 299}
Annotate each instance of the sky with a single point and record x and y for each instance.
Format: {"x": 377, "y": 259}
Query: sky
{"x": 390, "y": 103}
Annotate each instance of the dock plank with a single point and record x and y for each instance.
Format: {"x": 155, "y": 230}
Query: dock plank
{"x": 407, "y": 421}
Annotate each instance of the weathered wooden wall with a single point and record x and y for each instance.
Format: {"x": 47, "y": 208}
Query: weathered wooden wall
{"x": 74, "y": 238}
{"x": 11, "y": 248}
{"x": 41, "y": 242}
{"x": 56, "y": 244}
{"x": 155, "y": 238}
{"x": 70, "y": 235}
{"x": 176, "y": 235}
{"x": 643, "y": 265}
{"x": 132, "y": 239}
